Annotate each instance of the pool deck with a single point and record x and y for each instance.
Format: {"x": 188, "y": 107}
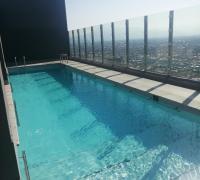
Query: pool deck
{"x": 186, "y": 98}
{"x": 12, "y": 120}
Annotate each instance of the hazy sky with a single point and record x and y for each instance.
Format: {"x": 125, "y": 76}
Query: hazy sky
{"x": 83, "y": 13}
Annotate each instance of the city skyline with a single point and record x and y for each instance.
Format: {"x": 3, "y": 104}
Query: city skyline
{"x": 183, "y": 60}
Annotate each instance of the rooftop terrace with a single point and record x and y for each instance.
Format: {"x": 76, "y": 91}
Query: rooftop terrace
{"x": 154, "y": 55}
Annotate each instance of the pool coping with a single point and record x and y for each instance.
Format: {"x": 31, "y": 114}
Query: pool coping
{"x": 179, "y": 97}
{"x": 12, "y": 117}
{"x": 31, "y": 67}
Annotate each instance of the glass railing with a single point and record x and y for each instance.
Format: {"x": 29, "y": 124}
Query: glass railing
{"x": 89, "y": 43}
{"x": 166, "y": 43}
{"x": 120, "y": 43}
{"x": 157, "y": 57}
{"x": 97, "y": 44}
{"x": 186, "y": 43}
{"x": 108, "y": 45}
{"x": 136, "y": 43}
{"x": 82, "y": 44}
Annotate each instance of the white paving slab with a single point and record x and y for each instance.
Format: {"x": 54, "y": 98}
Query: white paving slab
{"x": 108, "y": 73}
{"x": 143, "y": 84}
{"x": 195, "y": 103}
{"x": 122, "y": 78}
{"x": 77, "y": 65}
{"x": 95, "y": 70}
{"x": 85, "y": 67}
{"x": 71, "y": 62}
{"x": 12, "y": 120}
{"x": 173, "y": 93}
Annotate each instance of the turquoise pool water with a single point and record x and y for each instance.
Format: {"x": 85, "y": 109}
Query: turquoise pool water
{"x": 76, "y": 126}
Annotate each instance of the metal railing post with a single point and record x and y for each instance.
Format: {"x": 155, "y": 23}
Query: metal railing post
{"x": 92, "y": 35}
{"x": 15, "y": 60}
{"x": 113, "y": 41}
{"x": 102, "y": 43}
{"x": 16, "y": 113}
{"x": 69, "y": 44}
{"x": 170, "y": 41}
{"x": 26, "y": 165}
{"x": 85, "y": 42}
{"x": 145, "y": 41}
{"x": 127, "y": 43}
{"x": 79, "y": 43}
{"x": 24, "y": 60}
{"x": 73, "y": 43}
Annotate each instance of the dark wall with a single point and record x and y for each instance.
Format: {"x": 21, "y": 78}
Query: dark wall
{"x": 8, "y": 160}
{"x": 33, "y": 28}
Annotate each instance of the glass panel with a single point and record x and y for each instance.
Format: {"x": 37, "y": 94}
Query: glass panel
{"x": 76, "y": 44}
{"x": 89, "y": 43}
{"x": 136, "y": 43}
{"x": 82, "y": 43}
{"x": 97, "y": 44}
{"x": 107, "y": 32}
{"x": 186, "y": 44}
{"x": 158, "y": 30}
{"x": 71, "y": 44}
{"x": 120, "y": 42}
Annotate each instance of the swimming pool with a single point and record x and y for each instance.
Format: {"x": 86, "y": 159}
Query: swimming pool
{"x": 77, "y": 126}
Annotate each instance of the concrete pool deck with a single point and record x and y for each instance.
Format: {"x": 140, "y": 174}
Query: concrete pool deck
{"x": 188, "y": 98}
{"x": 12, "y": 119}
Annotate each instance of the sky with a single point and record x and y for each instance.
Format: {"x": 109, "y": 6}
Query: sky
{"x": 84, "y": 13}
